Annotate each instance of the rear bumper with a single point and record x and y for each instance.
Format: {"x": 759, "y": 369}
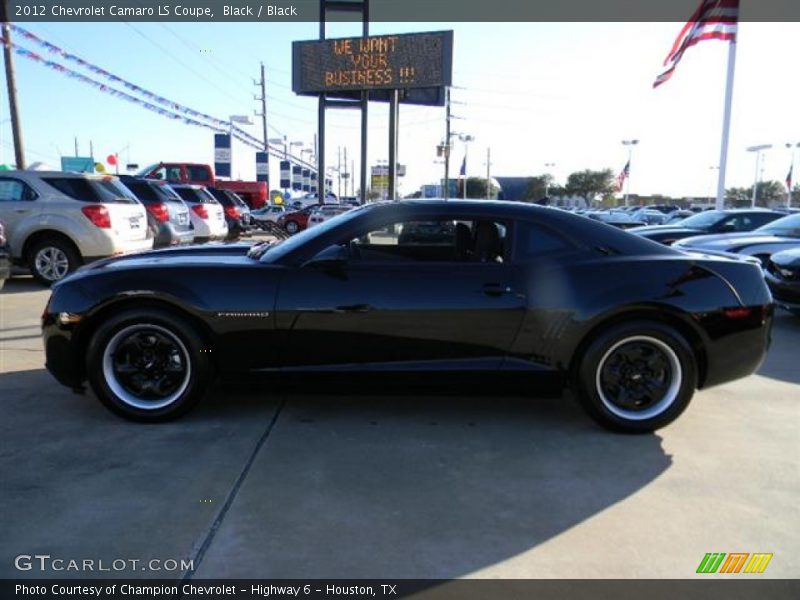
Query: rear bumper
{"x": 737, "y": 347}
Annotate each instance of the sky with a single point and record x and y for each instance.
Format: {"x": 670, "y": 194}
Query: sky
{"x": 533, "y": 93}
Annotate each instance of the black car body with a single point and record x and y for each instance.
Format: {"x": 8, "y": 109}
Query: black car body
{"x": 5, "y": 257}
{"x": 783, "y": 277}
{"x": 709, "y": 221}
{"x": 633, "y": 326}
{"x": 237, "y": 213}
{"x": 167, "y": 214}
{"x": 781, "y": 234}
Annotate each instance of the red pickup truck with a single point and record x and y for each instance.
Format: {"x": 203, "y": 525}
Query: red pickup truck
{"x": 255, "y": 193}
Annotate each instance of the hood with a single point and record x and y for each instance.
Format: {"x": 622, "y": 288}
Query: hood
{"x": 730, "y": 242}
{"x": 206, "y": 254}
{"x": 787, "y": 258}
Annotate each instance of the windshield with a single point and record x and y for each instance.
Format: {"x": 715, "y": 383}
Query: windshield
{"x": 785, "y": 226}
{"x": 702, "y": 220}
{"x": 284, "y": 247}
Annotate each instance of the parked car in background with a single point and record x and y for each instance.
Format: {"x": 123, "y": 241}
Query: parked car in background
{"x": 254, "y": 193}
{"x": 633, "y": 332}
{"x": 781, "y": 234}
{"x": 709, "y": 221}
{"x": 296, "y": 220}
{"x": 617, "y": 218}
{"x": 237, "y": 213}
{"x": 678, "y": 216}
{"x": 56, "y": 221}
{"x": 320, "y": 214}
{"x": 268, "y": 214}
{"x": 207, "y": 215}
{"x": 650, "y": 216}
{"x": 5, "y": 257}
{"x": 167, "y": 214}
{"x": 782, "y": 273}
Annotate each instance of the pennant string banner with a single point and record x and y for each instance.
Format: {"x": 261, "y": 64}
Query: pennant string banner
{"x": 175, "y": 111}
{"x": 179, "y": 108}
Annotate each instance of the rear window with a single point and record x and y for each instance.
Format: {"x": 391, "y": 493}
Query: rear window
{"x": 144, "y": 192}
{"x": 195, "y": 195}
{"x": 91, "y": 190}
{"x": 221, "y": 196}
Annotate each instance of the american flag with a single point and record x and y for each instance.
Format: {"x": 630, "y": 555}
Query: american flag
{"x": 789, "y": 178}
{"x": 713, "y": 20}
{"x": 623, "y": 175}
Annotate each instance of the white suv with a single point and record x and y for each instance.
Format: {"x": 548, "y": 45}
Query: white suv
{"x": 56, "y": 221}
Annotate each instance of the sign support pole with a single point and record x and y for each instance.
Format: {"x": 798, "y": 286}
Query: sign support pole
{"x": 393, "y": 114}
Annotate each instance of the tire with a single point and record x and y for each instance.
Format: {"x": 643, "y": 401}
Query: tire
{"x": 52, "y": 259}
{"x": 136, "y": 344}
{"x": 292, "y": 227}
{"x": 612, "y": 377}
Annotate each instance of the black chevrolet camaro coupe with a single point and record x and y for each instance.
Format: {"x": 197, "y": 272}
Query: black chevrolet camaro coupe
{"x": 632, "y": 326}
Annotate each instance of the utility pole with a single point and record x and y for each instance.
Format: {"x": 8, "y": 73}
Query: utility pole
{"x": 76, "y": 145}
{"x": 339, "y": 171}
{"x": 263, "y": 113}
{"x": 446, "y": 190}
{"x": 16, "y": 129}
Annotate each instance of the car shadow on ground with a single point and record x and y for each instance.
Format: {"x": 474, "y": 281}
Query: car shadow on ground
{"x": 390, "y": 482}
{"x": 413, "y": 480}
{"x": 21, "y": 284}
{"x": 781, "y": 362}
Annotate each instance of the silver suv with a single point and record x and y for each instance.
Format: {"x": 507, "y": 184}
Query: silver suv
{"x": 56, "y": 221}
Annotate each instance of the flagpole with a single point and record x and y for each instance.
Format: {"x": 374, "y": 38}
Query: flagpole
{"x": 726, "y": 126}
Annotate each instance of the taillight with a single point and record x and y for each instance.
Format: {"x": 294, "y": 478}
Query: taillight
{"x": 738, "y": 313}
{"x": 159, "y": 211}
{"x": 98, "y": 215}
{"x": 232, "y": 212}
{"x": 200, "y": 211}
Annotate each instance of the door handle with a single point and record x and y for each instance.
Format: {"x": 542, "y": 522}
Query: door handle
{"x": 495, "y": 289}
{"x": 356, "y": 308}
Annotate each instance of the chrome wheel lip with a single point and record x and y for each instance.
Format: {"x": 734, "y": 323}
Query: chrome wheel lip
{"x": 51, "y": 263}
{"x": 118, "y": 388}
{"x": 655, "y": 409}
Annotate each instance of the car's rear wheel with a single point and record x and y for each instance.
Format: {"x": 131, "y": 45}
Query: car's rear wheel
{"x": 52, "y": 259}
{"x": 148, "y": 365}
{"x": 292, "y": 227}
{"x": 636, "y": 377}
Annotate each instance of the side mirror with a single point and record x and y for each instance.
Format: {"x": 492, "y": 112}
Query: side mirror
{"x": 29, "y": 195}
{"x": 335, "y": 256}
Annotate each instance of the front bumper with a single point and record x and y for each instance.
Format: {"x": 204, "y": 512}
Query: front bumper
{"x": 786, "y": 294}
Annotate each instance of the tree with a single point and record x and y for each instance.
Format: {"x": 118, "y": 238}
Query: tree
{"x": 476, "y": 188}
{"x": 770, "y": 192}
{"x": 590, "y": 184}
{"x": 538, "y": 187}
{"x": 738, "y": 196}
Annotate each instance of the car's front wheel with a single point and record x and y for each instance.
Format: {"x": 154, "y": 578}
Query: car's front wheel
{"x": 636, "y": 377}
{"x": 148, "y": 365}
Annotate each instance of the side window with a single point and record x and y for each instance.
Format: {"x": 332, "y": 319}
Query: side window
{"x": 76, "y": 188}
{"x": 534, "y": 240}
{"x": 434, "y": 241}
{"x": 171, "y": 173}
{"x": 198, "y": 173}
{"x": 12, "y": 190}
{"x": 763, "y": 219}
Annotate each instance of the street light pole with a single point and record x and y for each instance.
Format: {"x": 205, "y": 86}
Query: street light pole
{"x": 757, "y": 150}
{"x": 789, "y": 176}
{"x": 630, "y": 144}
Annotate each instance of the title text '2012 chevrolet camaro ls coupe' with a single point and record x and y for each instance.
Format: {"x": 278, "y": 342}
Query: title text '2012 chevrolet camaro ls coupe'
{"x": 632, "y": 326}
